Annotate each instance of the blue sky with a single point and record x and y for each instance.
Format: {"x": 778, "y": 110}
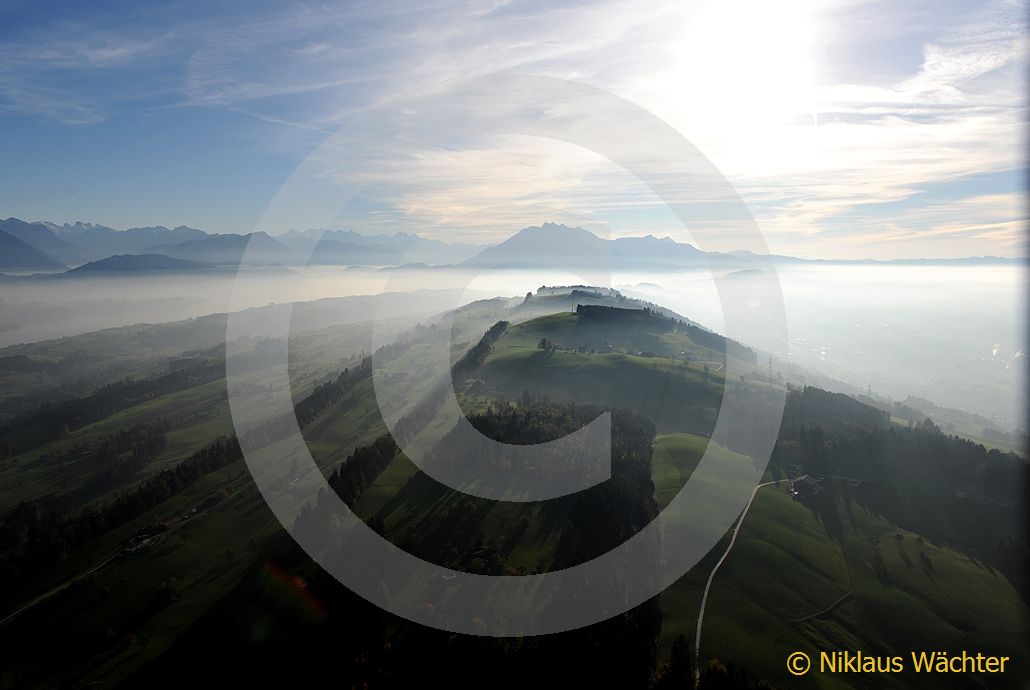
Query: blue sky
{"x": 851, "y": 129}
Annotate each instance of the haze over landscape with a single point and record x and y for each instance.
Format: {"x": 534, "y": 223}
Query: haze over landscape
{"x": 866, "y": 323}
{"x": 314, "y": 316}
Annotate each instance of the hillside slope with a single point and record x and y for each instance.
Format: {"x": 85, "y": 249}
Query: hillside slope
{"x": 16, "y": 254}
{"x": 137, "y": 263}
{"x": 224, "y": 588}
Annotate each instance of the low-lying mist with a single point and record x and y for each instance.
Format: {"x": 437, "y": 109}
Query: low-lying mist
{"x": 954, "y": 335}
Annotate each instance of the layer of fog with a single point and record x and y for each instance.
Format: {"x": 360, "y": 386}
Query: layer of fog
{"x": 952, "y": 335}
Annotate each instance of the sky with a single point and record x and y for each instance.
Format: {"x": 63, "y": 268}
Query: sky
{"x": 850, "y": 129}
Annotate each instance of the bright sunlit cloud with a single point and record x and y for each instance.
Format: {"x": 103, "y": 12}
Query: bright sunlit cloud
{"x": 844, "y": 125}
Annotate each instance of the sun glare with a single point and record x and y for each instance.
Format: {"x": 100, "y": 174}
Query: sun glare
{"x": 746, "y": 72}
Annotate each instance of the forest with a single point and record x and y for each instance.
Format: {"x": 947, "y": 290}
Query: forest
{"x": 272, "y": 601}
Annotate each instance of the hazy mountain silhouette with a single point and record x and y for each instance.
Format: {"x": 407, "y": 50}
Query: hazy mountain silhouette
{"x": 550, "y": 245}
{"x": 654, "y": 251}
{"x": 137, "y": 263}
{"x": 229, "y": 249}
{"x": 100, "y": 241}
{"x": 41, "y": 237}
{"x": 346, "y": 247}
{"x": 15, "y": 254}
{"x": 82, "y": 242}
{"x": 546, "y": 245}
{"x": 554, "y": 245}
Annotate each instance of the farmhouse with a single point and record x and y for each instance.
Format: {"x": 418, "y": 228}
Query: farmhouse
{"x": 806, "y": 486}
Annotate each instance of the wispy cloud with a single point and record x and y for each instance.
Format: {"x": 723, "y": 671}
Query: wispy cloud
{"x": 817, "y": 112}
{"x": 77, "y": 74}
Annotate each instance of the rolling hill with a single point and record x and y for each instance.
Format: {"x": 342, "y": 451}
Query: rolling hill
{"x": 137, "y": 263}
{"x": 878, "y": 559}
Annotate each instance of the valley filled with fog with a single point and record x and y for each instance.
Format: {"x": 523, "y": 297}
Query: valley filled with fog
{"x": 954, "y": 335}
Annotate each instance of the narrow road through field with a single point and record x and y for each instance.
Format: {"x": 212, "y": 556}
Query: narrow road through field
{"x": 69, "y": 582}
{"x": 711, "y": 576}
{"x": 826, "y": 609}
{"x": 64, "y": 585}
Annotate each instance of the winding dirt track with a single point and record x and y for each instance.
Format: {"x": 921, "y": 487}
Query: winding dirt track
{"x": 64, "y": 585}
{"x": 711, "y": 576}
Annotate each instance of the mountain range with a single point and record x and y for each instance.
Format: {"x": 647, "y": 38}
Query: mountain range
{"x": 49, "y": 247}
{"x": 19, "y": 255}
{"x": 553, "y": 245}
{"x": 137, "y": 263}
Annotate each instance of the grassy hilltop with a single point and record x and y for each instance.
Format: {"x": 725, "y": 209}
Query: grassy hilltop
{"x": 910, "y": 543}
